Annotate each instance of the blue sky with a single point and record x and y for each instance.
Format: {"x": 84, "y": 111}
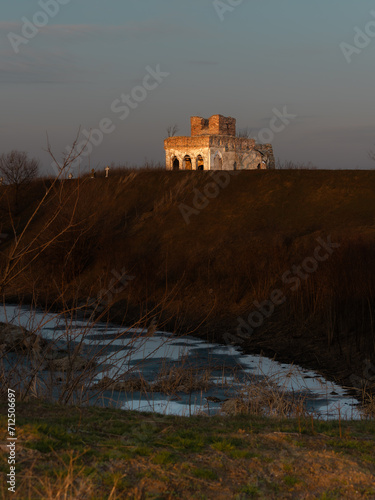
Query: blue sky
{"x": 241, "y": 59}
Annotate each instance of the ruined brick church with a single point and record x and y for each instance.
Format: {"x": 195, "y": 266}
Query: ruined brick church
{"x": 213, "y": 145}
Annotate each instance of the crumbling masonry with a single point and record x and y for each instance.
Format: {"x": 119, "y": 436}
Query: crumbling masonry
{"x": 213, "y": 145}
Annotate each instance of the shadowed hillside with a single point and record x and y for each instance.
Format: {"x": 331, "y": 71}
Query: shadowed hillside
{"x": 196, "y": 250}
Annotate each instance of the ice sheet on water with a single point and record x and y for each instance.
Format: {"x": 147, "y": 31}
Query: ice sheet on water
{"x": 127, "y": 349}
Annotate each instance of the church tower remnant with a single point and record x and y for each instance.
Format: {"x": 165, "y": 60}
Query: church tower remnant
{"x": 213, "y": 145}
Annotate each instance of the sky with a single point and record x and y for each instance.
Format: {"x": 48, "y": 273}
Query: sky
{"x": 296, "y": 73}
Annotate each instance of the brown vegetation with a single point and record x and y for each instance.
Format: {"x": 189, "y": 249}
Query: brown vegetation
{"x": 206, "y": 274}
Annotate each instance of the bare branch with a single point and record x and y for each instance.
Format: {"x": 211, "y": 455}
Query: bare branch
{"x": 245, "y": 133}
{"x": 172, "y": 130}
{"x": 20, "y": 248}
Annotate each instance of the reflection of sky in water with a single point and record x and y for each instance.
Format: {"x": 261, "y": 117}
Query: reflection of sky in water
{"x": 131, "y": 350}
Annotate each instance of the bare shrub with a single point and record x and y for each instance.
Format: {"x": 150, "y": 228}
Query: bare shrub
{"x": 172, "y": 130}
{"x": 265, "y": 397}
{"x": 124, "y": 384}
{"x": 18, "y": 170}
{"x": 368, "y": 403}
{"x": 174, "y": 379}
{"x": 293, "y": 165}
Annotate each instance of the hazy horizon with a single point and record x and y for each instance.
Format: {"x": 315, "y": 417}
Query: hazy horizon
{"x": 311, "y": 62}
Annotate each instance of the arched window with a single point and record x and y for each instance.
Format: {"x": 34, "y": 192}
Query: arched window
{"x": 175, "y": 163}
{"x": 200, "y": 162}
{"x": 187, "y": 163}
{"x": 218, "y": 162}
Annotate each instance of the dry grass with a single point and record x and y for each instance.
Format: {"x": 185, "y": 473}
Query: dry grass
{"x": 265, "y": 398}
{"x": 368, "y": 402}
{"x": 92, "y": 453}
{"x": 67, "y": 481}
{"x": 185, "y": 379}
{"x": 170, "y": 380}
{"x": 122, "y": 384}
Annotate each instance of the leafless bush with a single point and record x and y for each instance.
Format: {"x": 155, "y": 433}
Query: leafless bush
{"x": 368, "y": 403}
{"x": 18, "y": 170}
{"x": 265, "y": 397}
{"x": 182, "y": 378}
{"x": 292, "y": 165}
{"x": 245, "y": 133}
{"x": 172, "y": 130}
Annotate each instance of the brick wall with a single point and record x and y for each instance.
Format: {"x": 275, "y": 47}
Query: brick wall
{"x": 222, "y": 125}
{"x": 187, "y": 142}
{"x": 267, "y": 150}
{"x": 216, "y": 125}
{"x": 199, "y": 126}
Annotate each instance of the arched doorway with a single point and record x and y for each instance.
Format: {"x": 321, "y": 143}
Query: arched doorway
{"x": 200, "y": 162}
{"x": 175, "y": 164}
{"x": 187, "y": 163}
{"x": 252, "y": 160}
{"x": 218, "y": 162}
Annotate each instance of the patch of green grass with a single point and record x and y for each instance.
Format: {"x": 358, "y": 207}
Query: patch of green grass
{"x": 143, "y": 451}
{"x": 290, "y": 480}
{"x": 45, "y": 469}
{"x": 111, "y": 454}
{"x": 350, "y": 444}
{"x": 300, "y": 444}
{"x": 368, "y": 457}
{"x": 369, "y": 492}
{"x": 202, "y": 448}
{"x": 237, "y": 442}
{"x": 330, "y": 495}
{"x": 89, "y": 471}
{"x": 190, "y": 444}
{"x": 126, "y": 454}
{"x": 55, "y": 437}
{"x": 115, "y": 478}
{"x": 188, "y": 440}
{"x": 250, "y": 491}
{"x": 271, "y": 485}
{"x": 44, "y": 445}
{"x": 164, "y": 457}
{"x": 59, "y": 433}
{"x": 287, "y": 467}
{"x": 204, "y": 473}
{"x": 224, "y": 446}
{"x": 243, "y": 454}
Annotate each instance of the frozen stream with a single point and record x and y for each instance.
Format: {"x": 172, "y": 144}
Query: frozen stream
{"x": 122, "y": 351}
